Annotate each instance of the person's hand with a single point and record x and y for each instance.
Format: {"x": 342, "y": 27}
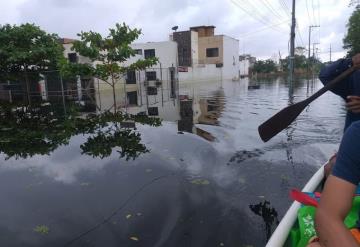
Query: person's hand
{"x": 353, "y": 104}
{"x": 356, "y": 60}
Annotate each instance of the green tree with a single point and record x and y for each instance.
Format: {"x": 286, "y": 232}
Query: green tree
{"x": 25, "y": 52}
{"x": 108, "y": 54}
{"x": 352, "y": 37}
{"x": 265, "y": 66}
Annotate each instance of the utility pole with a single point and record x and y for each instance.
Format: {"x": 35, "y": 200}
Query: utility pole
{"x": 308, "y": 67}
{"x": 313, "y": 58}
{"x": 292, "y": 44}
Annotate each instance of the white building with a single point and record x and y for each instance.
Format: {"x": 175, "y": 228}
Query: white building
{"x": 204, "y": 56}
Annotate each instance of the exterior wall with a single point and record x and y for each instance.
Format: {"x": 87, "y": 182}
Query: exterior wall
{"x": 244, "y": 67}
{"x": 201, "y": 72}
{"x": 231, "y": 58}
{"x": 183, "y": 39}
{"x": 165, "y": 51}
{"x": 195, "y": 48}
{"x": 211, "y": 42}
{"x": 204, "y": 31}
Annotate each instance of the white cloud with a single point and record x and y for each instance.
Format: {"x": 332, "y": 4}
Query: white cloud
{"x": 232, "y": 17}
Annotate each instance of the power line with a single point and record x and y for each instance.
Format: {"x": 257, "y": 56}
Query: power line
{"x": 273, "y": 10}
{"x": 262, "y": 29}
{"x": 284, "y": 7}
{"x": 253, "y": 15}
{"x": 313, "y": 10}
{"x": 308, "y": 12}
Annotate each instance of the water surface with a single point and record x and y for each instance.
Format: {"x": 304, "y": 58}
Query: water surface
{"x": 214, "y": 183}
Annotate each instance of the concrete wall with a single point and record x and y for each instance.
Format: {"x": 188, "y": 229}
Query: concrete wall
{"x": 244, "y": 67}
{"x": 201, "y": 72}
{"x": 165, "y": 51}
{"x": 210, "y": 42}
{"x": 195, "y": 48}
{"x": 231, "y": 58}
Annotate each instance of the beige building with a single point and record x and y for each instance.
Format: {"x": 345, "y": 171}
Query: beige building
{"x": 203, "y": 55}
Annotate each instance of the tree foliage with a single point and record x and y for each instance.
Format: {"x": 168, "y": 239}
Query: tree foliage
{"x": 352, "y": 37}
{"x": 27, "y": 48}
{"x": 266, "y": 66}
{"x": 108, "y": 54}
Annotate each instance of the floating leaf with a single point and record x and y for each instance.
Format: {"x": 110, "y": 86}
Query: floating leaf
{"x": 42, "y": 229}
{"x": 200, "y": 181}
{"x": 128, "y": 216}
{"x": 134, "y": 238}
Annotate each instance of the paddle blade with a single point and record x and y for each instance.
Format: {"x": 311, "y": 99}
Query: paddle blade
{"x": 280, "y": 120}
{"x": 303, "y": 198}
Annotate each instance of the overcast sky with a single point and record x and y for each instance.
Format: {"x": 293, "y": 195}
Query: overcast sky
{"x": 262, "y": 26}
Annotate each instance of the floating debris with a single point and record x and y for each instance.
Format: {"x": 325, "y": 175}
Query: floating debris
{"x": 134, "y": 238}
{"x": 200, "y": 181}
{"x": 128, "y": 216}
{"x": 42, "y": 229}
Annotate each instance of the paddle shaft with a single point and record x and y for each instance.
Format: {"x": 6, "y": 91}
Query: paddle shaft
{"x": 286, "y": 116}
{"x": 332, "y": 83}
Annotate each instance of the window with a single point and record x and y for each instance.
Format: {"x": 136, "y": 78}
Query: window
{"x": 132, "y": 98}
{"x": 130, "y": 77}
{"x": 138, "y": 51}
{"x": 149, "y": 53}
{"x": 151, "y": 90}
{"x": 151, "y": 75}
{"x": 72, "y": 57}
{"x": 212, "y": 52}
{"x": 153, "y": 111}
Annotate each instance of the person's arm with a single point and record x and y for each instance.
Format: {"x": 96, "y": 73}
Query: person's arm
{"x": 335, "y": 203}
{"x": 337, "y": 197}
{"x": 353, "y": 101}
{"x": 330, "y": 72}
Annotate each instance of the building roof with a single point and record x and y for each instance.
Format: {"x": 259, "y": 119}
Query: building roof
{"x": 202, "y": 27}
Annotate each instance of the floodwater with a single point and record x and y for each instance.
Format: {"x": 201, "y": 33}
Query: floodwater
{"x": 212, "y": 184}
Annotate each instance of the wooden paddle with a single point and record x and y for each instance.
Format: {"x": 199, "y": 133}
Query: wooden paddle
{"x": 286, "y": 116}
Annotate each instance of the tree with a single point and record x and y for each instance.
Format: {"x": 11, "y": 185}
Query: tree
{"x": 300, "y": 51}
{"x": 266, "y": 66}
{"x": 25, "y": 52}
{"x": 108, "y": 54}
{"x": 352, "y": 38}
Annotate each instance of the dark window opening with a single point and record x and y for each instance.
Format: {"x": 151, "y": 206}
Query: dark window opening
{"x": 72, "y": 57}
{"x": 151, "y": 75}
{"x": 132, "y": 98}
{"x": 130, "y": 77}
{"x": 172, "y": 82}
{"x": 151, "y": 90}
{"x": 212, "y": 52}
{"x": 153, "y": 111}
{"x": 149, "y": 53}
{"x": 138, "y": 51}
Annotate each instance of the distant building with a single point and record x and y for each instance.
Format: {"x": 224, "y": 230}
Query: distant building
{"x": 202, "y": 55}
{"x": 246, "y": 64}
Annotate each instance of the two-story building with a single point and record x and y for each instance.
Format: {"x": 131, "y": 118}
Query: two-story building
{"x": 202, "y": 55}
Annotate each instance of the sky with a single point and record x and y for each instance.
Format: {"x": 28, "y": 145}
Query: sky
{"x": 261, "y": 26}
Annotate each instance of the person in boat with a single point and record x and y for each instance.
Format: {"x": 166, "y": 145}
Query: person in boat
{"x": 337, "y": 196}
{"x": 349, "y": 90}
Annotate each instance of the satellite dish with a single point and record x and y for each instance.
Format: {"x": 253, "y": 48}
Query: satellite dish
{"x": 175, "y": 28}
